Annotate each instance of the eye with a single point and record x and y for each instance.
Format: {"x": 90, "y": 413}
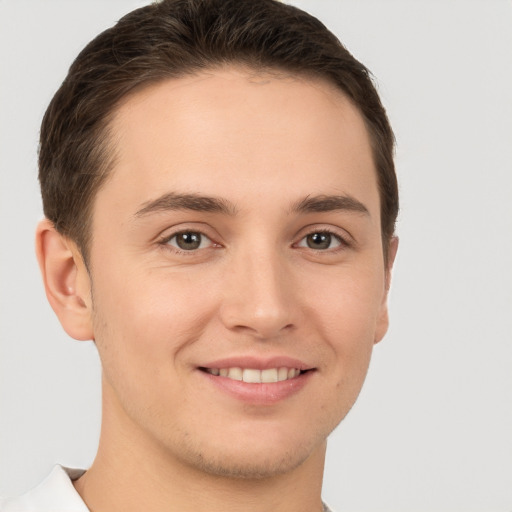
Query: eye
{"x": 189, "y": 241}
{"x": 321, "y": 241}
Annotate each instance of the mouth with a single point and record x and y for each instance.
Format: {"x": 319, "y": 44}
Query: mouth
{"x": 256, "y": 376}
{"x": 256, "y": 380}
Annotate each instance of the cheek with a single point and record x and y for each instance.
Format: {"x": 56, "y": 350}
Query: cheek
{"x": 142, "y": 324}
{"x": 346, "y": 315}
{"x": 349, "y": 302}
{"x": 146, "y": 303}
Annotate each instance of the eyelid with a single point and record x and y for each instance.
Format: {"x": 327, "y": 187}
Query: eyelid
{"x": 345, "y": 239}
{"x": 169, "y": 233}
{"x": 202, "y": 235}
{"x": 303, "y": 241}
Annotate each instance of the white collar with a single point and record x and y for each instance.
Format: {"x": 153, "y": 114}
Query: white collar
{"x": 55, "y": 493}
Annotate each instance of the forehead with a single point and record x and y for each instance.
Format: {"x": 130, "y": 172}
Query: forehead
{"x": 231, "y": 126}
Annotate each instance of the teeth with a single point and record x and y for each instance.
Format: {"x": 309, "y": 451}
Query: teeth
{"x": 252, "y": 375}
{"x": 235, "y": 373}
{"x": 269, "y": 375}
{"x": 282, "y": 374}
{"x": 256, "y": 376}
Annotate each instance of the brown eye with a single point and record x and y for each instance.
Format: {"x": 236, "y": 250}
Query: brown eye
{"x": 188, "y": 240}
{"x": 321, "y": 241}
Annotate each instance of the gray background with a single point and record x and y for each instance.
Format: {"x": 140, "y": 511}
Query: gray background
{"x": 432, "y": 430}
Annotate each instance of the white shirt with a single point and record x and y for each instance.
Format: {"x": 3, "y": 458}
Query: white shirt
{"x": 55, "y": 493}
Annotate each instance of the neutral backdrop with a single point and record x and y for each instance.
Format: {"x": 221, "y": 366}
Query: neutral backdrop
{"x": 432, "y": 430}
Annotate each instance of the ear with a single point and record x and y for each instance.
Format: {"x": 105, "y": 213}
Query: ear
{"x": 383, "y": 319}
{"x": 66, "y": 280}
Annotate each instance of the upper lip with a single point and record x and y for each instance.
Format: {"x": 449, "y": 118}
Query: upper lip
{"x": 258, "y": 363}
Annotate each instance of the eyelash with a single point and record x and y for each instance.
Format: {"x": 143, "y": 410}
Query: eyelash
{"x": 342, "y": 241}
{"x": 165, "y": 242}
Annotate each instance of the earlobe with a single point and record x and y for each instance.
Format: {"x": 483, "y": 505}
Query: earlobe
{"x": 66, "y": 280}
{"x": 383, "y": 320}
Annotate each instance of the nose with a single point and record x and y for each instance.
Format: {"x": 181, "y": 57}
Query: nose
{"x": 258, "y": 296}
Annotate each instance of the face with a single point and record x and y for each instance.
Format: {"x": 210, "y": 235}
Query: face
{"x": 237, "y": 274}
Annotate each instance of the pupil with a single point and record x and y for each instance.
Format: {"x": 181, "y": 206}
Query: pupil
{"x": 188, "y": 241}
{"x": 319, "y": 240}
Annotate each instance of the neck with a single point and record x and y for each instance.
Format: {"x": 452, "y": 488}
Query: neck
{"x": 132, "y": 472}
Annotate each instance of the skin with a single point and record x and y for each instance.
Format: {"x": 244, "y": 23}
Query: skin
{"x": 261, "y": 144}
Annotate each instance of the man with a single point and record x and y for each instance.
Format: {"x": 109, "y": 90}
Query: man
{"x": 220, "y": 200}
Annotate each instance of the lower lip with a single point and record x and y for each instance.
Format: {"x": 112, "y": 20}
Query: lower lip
{"x": 259, "y": 394}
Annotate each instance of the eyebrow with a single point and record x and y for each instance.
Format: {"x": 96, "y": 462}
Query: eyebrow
{"x": 193, "y": 202}
{"x": 328, "y": 203}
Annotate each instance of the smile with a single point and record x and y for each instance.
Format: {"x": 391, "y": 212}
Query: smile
{"x": 257, "y": 381}
{"x": 255, "y": 376}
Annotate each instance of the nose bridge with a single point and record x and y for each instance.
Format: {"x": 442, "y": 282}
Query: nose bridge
{"x": 258, "y": 296}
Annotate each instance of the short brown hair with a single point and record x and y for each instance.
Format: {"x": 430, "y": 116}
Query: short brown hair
{"x": 173, "y": 38}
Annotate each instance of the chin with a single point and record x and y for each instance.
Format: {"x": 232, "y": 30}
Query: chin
{"x": 244, "y": 467}
{"x": 257, "y": 457}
